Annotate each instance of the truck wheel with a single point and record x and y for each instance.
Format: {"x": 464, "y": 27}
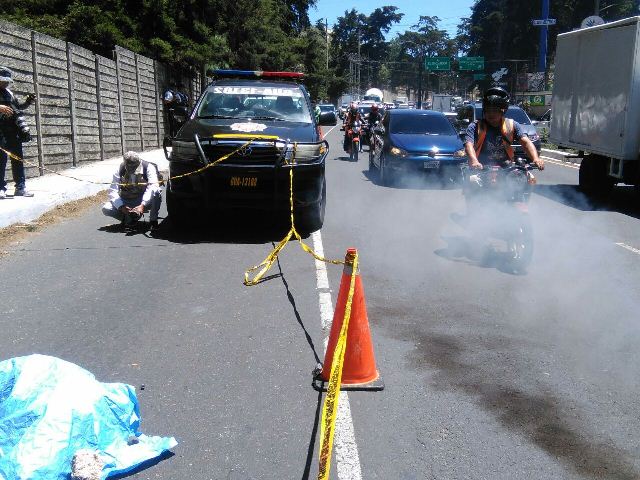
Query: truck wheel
{"x": 178, "y": 213}
{"x": 313, "y": 218}
{"x": 593, "y": 177}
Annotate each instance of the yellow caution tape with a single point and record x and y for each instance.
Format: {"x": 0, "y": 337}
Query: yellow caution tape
{"x": 268, "y": 262}
{"x": 330, "y": 408}
{"x": 135, "y": 184}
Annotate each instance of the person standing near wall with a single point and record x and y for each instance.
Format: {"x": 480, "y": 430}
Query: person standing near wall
{"x": 176, "y": 104}
{"x": 13, "y": 133}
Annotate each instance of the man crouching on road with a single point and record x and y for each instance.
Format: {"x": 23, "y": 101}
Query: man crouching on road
{"x": 134, "y": 190}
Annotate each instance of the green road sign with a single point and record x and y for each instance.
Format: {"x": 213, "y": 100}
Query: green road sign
{"x": 536, "y": 100}
{"x": 437, "y": 64}
{"x": 479, "y": 76}
{"x": 471, "y": 63}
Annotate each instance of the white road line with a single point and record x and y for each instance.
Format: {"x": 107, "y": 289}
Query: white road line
{"x": 629, "y": 247}
{"x": 346, "y": 449}
{"x": 329, "y": 131}
{"x": 558, "y": 162}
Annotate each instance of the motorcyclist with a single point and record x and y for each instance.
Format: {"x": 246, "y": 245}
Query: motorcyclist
{"x": 353, "y": 115}
{"x": 373, "y": 117}
{"x": 489, "y": 140}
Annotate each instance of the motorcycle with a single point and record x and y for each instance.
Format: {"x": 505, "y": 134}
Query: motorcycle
{"x": 497, "y": 203}
{"x": 353, "y": 133}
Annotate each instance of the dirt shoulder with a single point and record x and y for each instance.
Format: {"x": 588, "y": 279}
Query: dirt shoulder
{"x": 18, "y": 232}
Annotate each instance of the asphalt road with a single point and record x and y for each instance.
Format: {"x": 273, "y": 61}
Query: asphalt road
{"x": 488, "y": 374}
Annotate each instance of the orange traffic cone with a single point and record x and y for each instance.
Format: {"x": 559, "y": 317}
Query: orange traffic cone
{"x": 359, "y": 370}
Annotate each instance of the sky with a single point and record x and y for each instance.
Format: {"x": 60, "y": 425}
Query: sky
{"x": 450, "y": 12}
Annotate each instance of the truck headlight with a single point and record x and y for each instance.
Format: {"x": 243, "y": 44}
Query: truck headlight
{"x": 184, "y": 151}
{"x": 309, "y": 153}
{"x": 398, "y": 152}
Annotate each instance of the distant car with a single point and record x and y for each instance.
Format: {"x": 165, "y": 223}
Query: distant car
{"x": 543, "y": 124}
{"x": 473, "y": 112}
{"x": 414, "y": 143}
{"x": 328, "y": 115}
{"x": 402, "y": 106}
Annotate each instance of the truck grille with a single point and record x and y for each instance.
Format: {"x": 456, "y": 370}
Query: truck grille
{"x": 250, "y": 155}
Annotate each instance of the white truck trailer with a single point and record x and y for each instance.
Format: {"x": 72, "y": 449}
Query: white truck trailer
{"x": 441, "y": 103}
{"x": 596, "y": 102}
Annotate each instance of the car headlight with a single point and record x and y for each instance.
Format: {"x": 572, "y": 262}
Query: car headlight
{"x": 534, "y": 137}
{"x": 460, "y": 153}
{"x": 398, "y": 152}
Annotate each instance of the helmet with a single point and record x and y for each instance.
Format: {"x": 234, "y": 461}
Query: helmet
{"x": 353, "y": 107}
{"x": 495, "y": 97}
{"x": 374, "y": 108}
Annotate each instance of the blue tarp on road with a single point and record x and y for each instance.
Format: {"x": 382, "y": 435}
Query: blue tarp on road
{"x": 50, "y": 409}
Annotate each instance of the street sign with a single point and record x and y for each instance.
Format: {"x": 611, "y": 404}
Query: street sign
{"x": 544, "y": 21}
{"x": 537, "y": 100}
{"x": 479, "y": 76}
{"x": 471, "y": 63}
{"x": 437, "y": 64}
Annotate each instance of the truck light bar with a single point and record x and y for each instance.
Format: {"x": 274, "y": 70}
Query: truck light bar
{"x": 256, "y": 74}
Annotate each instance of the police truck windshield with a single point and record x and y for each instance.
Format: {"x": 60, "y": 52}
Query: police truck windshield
{"x": 262, "y": 102}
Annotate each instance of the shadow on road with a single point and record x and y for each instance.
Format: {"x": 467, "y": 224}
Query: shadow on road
{"x": 623, "y": 199}
{"x": 418, "y": 182}
{"x": 237, "y": 229}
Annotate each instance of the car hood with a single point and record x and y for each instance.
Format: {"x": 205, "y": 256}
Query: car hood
{"x": 528, "y": 129}
{"x": 294, "y": 131}
{"x": 426, "y": 143}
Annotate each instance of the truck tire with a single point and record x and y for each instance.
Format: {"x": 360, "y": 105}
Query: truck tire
{"x": 179, "y": 214}
{"x": 313, "y": 219}
{"x": 593, "y": 177}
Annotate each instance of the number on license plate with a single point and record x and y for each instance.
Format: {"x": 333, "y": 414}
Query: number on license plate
{"x": 243, "y": 181}
{"x": 432, "y": 164}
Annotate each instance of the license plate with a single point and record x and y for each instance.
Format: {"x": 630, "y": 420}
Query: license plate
{"x": 243, "y": 181}
{"x": 432, "y": 164}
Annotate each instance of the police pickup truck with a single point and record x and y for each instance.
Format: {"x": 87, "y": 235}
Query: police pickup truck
{"x": 262, "y": 122}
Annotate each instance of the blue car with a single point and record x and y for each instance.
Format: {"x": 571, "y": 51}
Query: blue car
{"x": 414, "y": 143}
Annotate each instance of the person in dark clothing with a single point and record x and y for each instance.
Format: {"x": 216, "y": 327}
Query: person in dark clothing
{"x": 176, "y": 103}
{"x": 14, "y": 131}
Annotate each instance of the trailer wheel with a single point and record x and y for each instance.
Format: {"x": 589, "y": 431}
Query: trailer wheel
{"x": 593, "y": 177}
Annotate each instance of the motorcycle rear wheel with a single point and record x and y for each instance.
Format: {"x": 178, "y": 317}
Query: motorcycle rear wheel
{"x": 520, "y": 246}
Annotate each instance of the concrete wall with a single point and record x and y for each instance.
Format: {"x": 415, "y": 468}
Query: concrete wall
{"x": 87, "y": 107}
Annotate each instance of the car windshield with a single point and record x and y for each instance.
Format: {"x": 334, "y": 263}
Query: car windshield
{"x": 326, "y": 108}
{"x": 514, "y": 113}
{"x": 421, "y": 124}
{"x": 264, "y": 102}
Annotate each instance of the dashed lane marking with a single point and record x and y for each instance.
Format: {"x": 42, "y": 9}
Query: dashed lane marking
{"x": 346, "y": 449}
{"x": 629, "y": 247}
{"x": 558, "y": 162}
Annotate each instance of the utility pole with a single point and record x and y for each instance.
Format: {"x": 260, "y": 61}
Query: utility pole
{"x": 419, "y": 102}
{"x": 326, "y": 35}
{"x": 359, "y": 63}
{"x": 542, "y": 59}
